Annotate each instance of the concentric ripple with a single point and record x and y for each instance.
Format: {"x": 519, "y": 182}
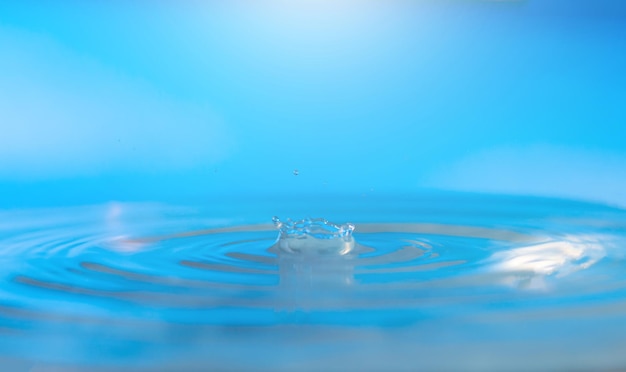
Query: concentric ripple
{"x": 147, "y": 286}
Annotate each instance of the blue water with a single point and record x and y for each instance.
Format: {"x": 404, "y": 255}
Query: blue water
{"x": 290, "y": 147}
{"x": 432, "y": 281}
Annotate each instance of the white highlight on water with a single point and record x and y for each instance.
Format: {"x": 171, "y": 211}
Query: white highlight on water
{"x": 552, "y": 258}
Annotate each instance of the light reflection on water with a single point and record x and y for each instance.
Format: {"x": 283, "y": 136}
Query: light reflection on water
{"x": 153, "y": 286}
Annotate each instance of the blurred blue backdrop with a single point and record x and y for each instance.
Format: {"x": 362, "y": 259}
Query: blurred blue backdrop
{"x": 156, "y": 100}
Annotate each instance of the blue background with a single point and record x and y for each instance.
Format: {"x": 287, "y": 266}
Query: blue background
{"x": 165, "y": 100}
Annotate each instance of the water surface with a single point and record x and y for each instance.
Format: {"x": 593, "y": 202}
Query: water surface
{"x": 441, "y": 281}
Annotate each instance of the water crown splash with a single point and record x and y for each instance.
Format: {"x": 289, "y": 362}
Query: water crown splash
{"x": 314, "y": 236}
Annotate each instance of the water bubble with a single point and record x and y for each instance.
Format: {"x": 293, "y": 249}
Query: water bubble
{"x": 295, "y": 172}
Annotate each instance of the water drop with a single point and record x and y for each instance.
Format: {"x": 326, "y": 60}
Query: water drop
{"x": 277, "y": 222}
{"x": 295, "y": 172}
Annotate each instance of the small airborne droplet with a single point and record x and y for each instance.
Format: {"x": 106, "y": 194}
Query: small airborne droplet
{"x": 295, "y": 172}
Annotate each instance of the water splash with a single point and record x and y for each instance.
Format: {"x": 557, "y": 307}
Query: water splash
{"x": 314, "y": 236}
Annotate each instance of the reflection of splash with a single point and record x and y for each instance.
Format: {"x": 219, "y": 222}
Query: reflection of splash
{"x": 119, "y": 239}
{"x": 558, "y": 258}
